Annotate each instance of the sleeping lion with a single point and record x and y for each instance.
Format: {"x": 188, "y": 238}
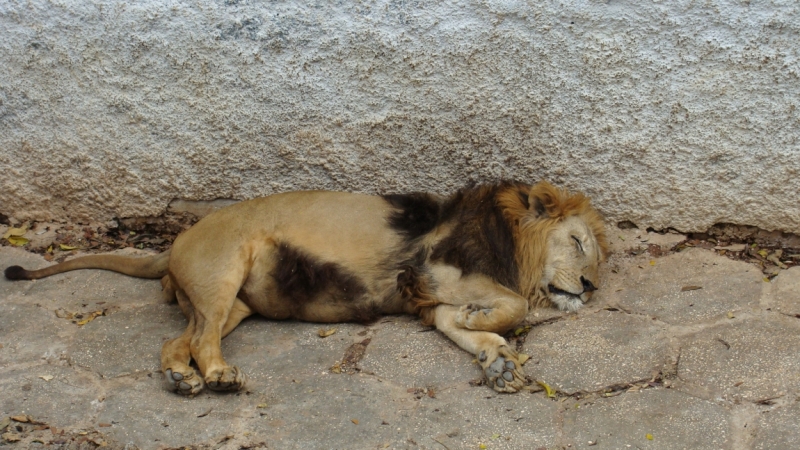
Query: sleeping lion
{"x": 472, "y": 264}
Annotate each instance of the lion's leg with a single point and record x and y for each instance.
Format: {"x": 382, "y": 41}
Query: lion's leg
{"x": 176, "y": 355}
{"x": 211, "y": 313}
{"x": 499, "y": 361}
{"x": 239, "y": 312}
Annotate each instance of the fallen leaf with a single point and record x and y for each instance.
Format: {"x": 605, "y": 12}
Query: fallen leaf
{"x": 17, "y": 240}
{"x": 46, "y": 377}
{"x": 730, "y": 315}
{"x": 652, "y": 263}
{"x": 773, "y": 258}
{"x": 523, "y": 358}
{"x": 21, "y": 418}
{"x": 4, "y": 423}
{"x": 521, "y": 330}
{"x": 261, "y": 405}
{"x": 482, "y": 446}
{"x": 495, "y": 436}
{"x": 103, "y": 425}
{"x": 91, "y": 317}
{"x": 11, "y": 437}
{"x": 550, "y": 391}
{"x": 336, "y": 368}
{"x": 323, "y": 333}
{"x": 50, "y": 249}
{"x": 764, "y": 253}
{"x": 16, "y": 231}
{"x": 732, "y": 248}
{"x": 649, "y": 436}
{"x": 691, "y": 288}
{"x": 206, "y": 413}
{"x": 66, "y": 247}
{"x": 355, "y": 421}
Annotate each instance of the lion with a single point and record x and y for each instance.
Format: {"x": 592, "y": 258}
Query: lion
{"x": 472, "y": 264}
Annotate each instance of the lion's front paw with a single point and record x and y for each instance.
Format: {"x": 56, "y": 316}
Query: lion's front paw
{"x": 187, "y": 382}
{"x": 504, "y": 372}
{"x": 227, "y": 379}
{"x": 472, "y": 316}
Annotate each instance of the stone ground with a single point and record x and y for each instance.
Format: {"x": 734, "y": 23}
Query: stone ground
{"x": 687, "y": 350}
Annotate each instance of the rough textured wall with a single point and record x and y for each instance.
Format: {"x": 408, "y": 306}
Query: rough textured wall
{"x": 679, "y": 113}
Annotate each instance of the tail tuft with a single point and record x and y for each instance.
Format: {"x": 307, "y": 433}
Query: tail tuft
{"x": 16, "y": 273}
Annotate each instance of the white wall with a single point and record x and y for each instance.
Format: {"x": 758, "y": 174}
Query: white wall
{"x": 668, "y": 113}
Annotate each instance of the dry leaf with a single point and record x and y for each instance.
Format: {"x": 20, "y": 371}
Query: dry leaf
{"x": 549, "y": 390}
{"x": 521, "y": 330}
{"x": 11, "y": 437}
{"x": 652, "y": 262}
{"x": 323, "y": 333}
{"x": 17, "y": 240}
{"x": 355, "y": 421}
{"x": 66, "y": 247}
{"x": 261, "y": 405}
{"x": 523, "y": 358}
{"x": 495, "y": 436}
{"x": 103, "y": 425}
{"x": 21, "y": 418}
{"x": 691, "y": 288}
{"x": 46, "y": 377}
{"x": 91, "y": 317}
{"x": 649, "y": 436}
{"x": 732, "y": 248}
{"x": 730, "y": 315}
{"x": 336, "y": 368}
{"x": 16, "y": 231}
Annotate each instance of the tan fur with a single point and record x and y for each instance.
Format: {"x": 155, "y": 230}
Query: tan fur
{"x": 331, "y": 257}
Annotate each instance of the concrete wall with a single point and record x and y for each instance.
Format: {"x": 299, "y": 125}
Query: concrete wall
{"x": 668, "y": 113}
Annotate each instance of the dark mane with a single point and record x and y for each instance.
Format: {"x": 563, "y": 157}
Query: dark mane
{"x": 482, "y": 240}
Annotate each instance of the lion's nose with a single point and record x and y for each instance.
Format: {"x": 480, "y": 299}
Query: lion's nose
{"x": 587, "y": 285}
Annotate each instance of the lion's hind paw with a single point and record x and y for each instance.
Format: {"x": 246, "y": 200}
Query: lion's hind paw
{"x": 228, "y": 379}
{"x": 505, "y": 372}
{"x": 185, "y": 383}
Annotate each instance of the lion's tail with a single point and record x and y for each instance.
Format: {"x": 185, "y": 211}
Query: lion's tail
{"x": 147, "y": 267}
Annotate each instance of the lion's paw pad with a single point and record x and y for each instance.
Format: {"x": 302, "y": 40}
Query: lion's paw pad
{"x": 184, "y": 383}
{"x": 227, "y": 379}
{"x": 504, "y": 375}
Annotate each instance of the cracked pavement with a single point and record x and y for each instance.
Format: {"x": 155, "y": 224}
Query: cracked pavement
{"x": 680, "y": 350}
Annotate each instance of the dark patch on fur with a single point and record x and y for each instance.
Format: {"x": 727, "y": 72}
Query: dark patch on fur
{"x": 416, "y": 286}
{"x": 16, "y": 273}
{"x": 302, "y": 278}
{"x": 481, "y": 241}
{"x": 523, "y": 192}
{"x": 365, "y": 313}
{"x": 415, "y": 215}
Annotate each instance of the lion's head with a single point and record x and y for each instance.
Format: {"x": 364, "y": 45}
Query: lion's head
{"x": 560, "y": 245}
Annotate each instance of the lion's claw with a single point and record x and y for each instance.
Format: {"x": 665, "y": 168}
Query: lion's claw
{"x": 227, "y": 379}
{"x": 471, "y": 315}
{"x": 185, "y": 384}
{"x": 505, "y": 373}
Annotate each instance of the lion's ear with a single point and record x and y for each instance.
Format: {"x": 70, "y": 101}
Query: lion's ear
{"x": 546, "y": 200}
